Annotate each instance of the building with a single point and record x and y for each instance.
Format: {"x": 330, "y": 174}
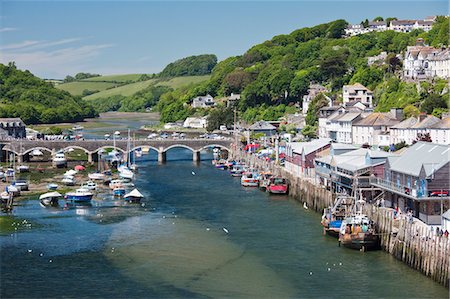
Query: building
{"x": 408, "y": 130}
{"x": 233, "y": 99}
{"x": 313, "y": 91}
{"x": 300, "y": 155}
{"x": 355, "y": 29}
{"x": 418, "y": 180}
{"x": 324, "y": 114}
{"x": 377, "y": 26}
{"x": 12, "y": 128}
{"x": 446, "y": 221}
{"x": 203, "y": 102}
{"x": 263, "y": 127}
{"x": 374, "y": 128}
{"x": 395, "y": 25}
{"x": 440, "y": 131}
{"x": 357, "y": 92}
{"x": 196, "y": 122}
{"x": 349, "y": 168}
{"x": 297, "y": 120}
{"x": 402, "y": 25}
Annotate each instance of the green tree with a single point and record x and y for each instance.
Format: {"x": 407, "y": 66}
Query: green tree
{"x": 433, "y": 101}
{"x": 411, "y": 110}
{"x": 378, "y": 19}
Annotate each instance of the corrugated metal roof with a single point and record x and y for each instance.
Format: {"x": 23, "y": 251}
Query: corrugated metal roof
{"x": 308, "y": 147}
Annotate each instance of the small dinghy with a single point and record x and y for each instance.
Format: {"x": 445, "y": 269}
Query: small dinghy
{"x": 134, "y": 196}
{"x": 50, "y": 198}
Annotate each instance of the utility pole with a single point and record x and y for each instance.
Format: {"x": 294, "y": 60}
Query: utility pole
{"x": 235, "y": 134}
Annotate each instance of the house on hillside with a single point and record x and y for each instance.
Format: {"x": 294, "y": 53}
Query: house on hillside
{"x": 313, "y": 91}
{"x": 233, "y": 99}
{"x": 12, "y": 128}
{"x": 196, "y": 122}
{"x": 408, "y": 130}
{"x": 440, "y": 132}
{"x": 357, "y": 92}
{"x": 418, "y": 180}
{"x": 263, "y": 127}
{"x": 369, "y": 129}
{"x": 300, "y": 155}
{"x": 203, "y": 101}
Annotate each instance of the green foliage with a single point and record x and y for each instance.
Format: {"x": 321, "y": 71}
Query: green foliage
{"x": 265, "y": 112}
{"x": 433, "y": 101}
{"x": 368, "y": 76}
{"x": 395, "y": 93}
{"x": 190, "y": 66}
{"x": 35, "y": 101}
{"x": 312, "y": 116}
{"x": 411, "y": 110}
{"x": 220, "y": 116}
{"x": 439, "y": 111}
{"x": 80, "y": 76}
{"x": 439, "y": 35}
{"x": 309, "y": 131}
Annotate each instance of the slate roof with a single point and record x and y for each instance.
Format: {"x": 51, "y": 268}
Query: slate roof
{"x": 443, "y": 124}
{"x": 377, "y": 119}
{"x": 262, "y": 125}
{"x": 415, "y": 123}
{"x": 431, "y": 156}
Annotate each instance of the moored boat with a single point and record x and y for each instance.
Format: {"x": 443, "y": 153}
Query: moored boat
{"x": 278, "y": 185}
{"x": 50, "y": 198}
{"x": 90, "y": 185}
{"x": 68, "y": 181}
{"x": 119, "y": 191}
{"x": 60, "y": 160}
{"x": 79, "y": 195}
{"x": 237, "y": 170}
{"x": 333, "y": 216}
{"x": 133, "y": 196}
{"x": 250, "y": 179}
{"x": 264, "y": 180}
{"x": 96, "y": 176}
{"x": 52, "y": 186}
{"x": 23, "y": 168}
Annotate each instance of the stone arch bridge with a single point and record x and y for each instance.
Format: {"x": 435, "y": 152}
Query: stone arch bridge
{"x": 23, "y": 148}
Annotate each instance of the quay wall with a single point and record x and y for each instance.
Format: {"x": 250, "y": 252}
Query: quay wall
{"x": 409, "y": 241}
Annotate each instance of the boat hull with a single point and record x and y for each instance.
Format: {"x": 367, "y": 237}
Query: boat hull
{"x": 133, "y": 199}
{"x": 360, "y": 241}
{"x": 79, "y": 198}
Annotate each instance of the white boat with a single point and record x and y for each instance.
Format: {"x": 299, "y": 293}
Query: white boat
{"x": 89, "y": 185}
{"x": 79, "y": 195}
{"x": 4, "y": 195}
{"x": 68, "y": 181}
{"x": 52, "y": 186}
{"x": 125, "y": 172}
{"x": 119, "y": 191}
{"x": 133, "y": 196}
{"x": 70, "y": 172}
{"x": 250, "y": 179}
{"x": 115, "y": 183}
{"x": 60, "y": 160}
{"x": 23, "y": 168}
{"x": 13, "y": 190}
{"x": 50, "y": 198}
{"x": 97, "y": 176}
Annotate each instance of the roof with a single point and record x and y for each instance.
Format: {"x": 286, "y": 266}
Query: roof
{"x": 377, "y": 119}
{"x": 14, "y": 121}
{"x": 428, "y": 155}
{"x": 403, "y": 22}
{"x": 234, "y": 97}
{"x": 416, "y": 123}
{"x": 446, "y": 215}
{"x": 356, "y": 86}
{"x": 134, "y": 193}
{"x": 443, "y": 124}
{"x": 343, "y": 146}
{"x": 349, "y": 116}
{"x": 262, "y": 125}
{"x": 308, "y": 147}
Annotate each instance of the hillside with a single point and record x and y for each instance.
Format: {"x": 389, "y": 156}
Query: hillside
{"x": 277, "y": 72}
{"x": 79, "y": 88}
{"x": 35, "y": 101}
{"x": 132, "y": 88}
{"x": 190, "y": 66}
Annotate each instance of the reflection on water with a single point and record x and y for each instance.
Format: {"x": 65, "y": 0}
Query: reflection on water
{"x": 199, "y": 236}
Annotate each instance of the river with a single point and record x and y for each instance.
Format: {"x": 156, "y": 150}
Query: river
{"x": 197, "y": 234}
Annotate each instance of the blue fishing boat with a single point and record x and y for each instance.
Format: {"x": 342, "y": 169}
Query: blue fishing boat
{"x": 79, "y": 195}
{"x": 333, "y": 216}
{"x": 119, "y": 191}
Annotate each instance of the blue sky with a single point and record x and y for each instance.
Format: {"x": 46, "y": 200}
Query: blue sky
{"x": 55, "y": 38}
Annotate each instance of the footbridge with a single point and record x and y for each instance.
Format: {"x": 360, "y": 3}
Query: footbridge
{"x": 23, "y": 148}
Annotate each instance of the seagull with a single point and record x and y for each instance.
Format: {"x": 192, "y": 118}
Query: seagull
{"x": 225, "y": 230}
{"x": 305, "y": 206}
{"x": 193, "y": 173}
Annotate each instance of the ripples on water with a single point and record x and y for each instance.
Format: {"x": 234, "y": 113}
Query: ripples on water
{"x": 175, "y": 245}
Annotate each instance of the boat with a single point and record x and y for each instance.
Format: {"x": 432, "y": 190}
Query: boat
{"x": 126, "y": 174}
{"x": 60, "y": 160}
{"x": 89, "y": 185}
{"x": 79, "y": 195}
{"x": 237, "y": 170}
{"x": 119, "y": 191}
{"x": 220, "y": 164}
{"x": 21, "y": 184}
{"x": 133, "y": 196}
{"x": 250, "y": 179}
{"x": 96, "y": 176}
{"x": 333, "y": 216}
{"x": 52, "y": 186}
{"x": 264, "y": 180}
{"x": 13, "y": 190}
{"x": 23, "y": 168}
{"x": 4, "y": 196}
{"x": 278, "y": 185}
{"x": 68, "y": 181}
{"x": 115, "y": 183}
{"x": 50, "y": 198}
{"x": 357, "y": 231}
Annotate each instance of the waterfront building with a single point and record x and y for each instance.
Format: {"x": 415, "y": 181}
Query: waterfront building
{"x": 313, "y": 91}
{"x": 357, "y": 92}
{"x": 263, "y": 127}
{"x": 12, "y": 128}
{"x": 446, "y": 221}
{"x": 374, "y": 128}
{"x": 300, "y": 155}
{"x": 409, "y": 130}
{"x": 347, "y": 169}
{"x": 297, "y": 120}
{"x": 418, "y": 179}
{"x": 196, "y": 122}
{"x": 203, "y": 101}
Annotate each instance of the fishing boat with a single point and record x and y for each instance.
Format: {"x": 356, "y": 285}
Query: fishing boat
{"x": 357, "y": 231}
{"x": 97, "y": 176}
{"x": 60, "y": 160}
{"x": 250, "y": 179}
{"x": 119, "y": 191}
{"x": 79, "y": 195}
{"x": 50, "y": 198}
{"x": 278, "y": 185}
{"x": 333, "y": 216}
{"x": 264, "y": 180}
{"x": 52, "y": 186}
{"x": 89, "y": 185}
{"x": 133, "y": 196}
{"x": 237, "y": 170}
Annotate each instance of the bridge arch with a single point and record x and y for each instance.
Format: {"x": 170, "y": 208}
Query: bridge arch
{"x": 76, "y": 147}
{"x": 179, "y": 145}
{"x": 216, "y": 145}
{"x": 144, "y": 145}
{"x": 41, "y": 148}
{"x": 108, "y": 146}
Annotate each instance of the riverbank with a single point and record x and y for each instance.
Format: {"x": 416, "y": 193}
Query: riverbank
{"x": 408, "y": 240}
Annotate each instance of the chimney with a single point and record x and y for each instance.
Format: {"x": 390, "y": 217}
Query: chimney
{"x": 397, "y": 113}
{"x": 420, "y": 42}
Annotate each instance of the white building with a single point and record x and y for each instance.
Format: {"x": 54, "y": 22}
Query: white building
{"x": 395, "y": 25}
{"x": 374, "y": 129}
{"x": 313, "y": 91}
{"x": 324, "y": 114}
{"x": 440, "y": 132}
{"x": 196, "y": 122}
{"x": 409, "y": 129}
{"x": 378, "y": 26}
{"x": 357, "y": 92}
{"x": 355, "y": 29}
{"x": 203, "y": 101}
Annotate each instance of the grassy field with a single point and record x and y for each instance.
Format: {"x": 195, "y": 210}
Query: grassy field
{"x": 116, "y": 78}
{"x": 130, "y": 89}
{"x": 76, "y": 88}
